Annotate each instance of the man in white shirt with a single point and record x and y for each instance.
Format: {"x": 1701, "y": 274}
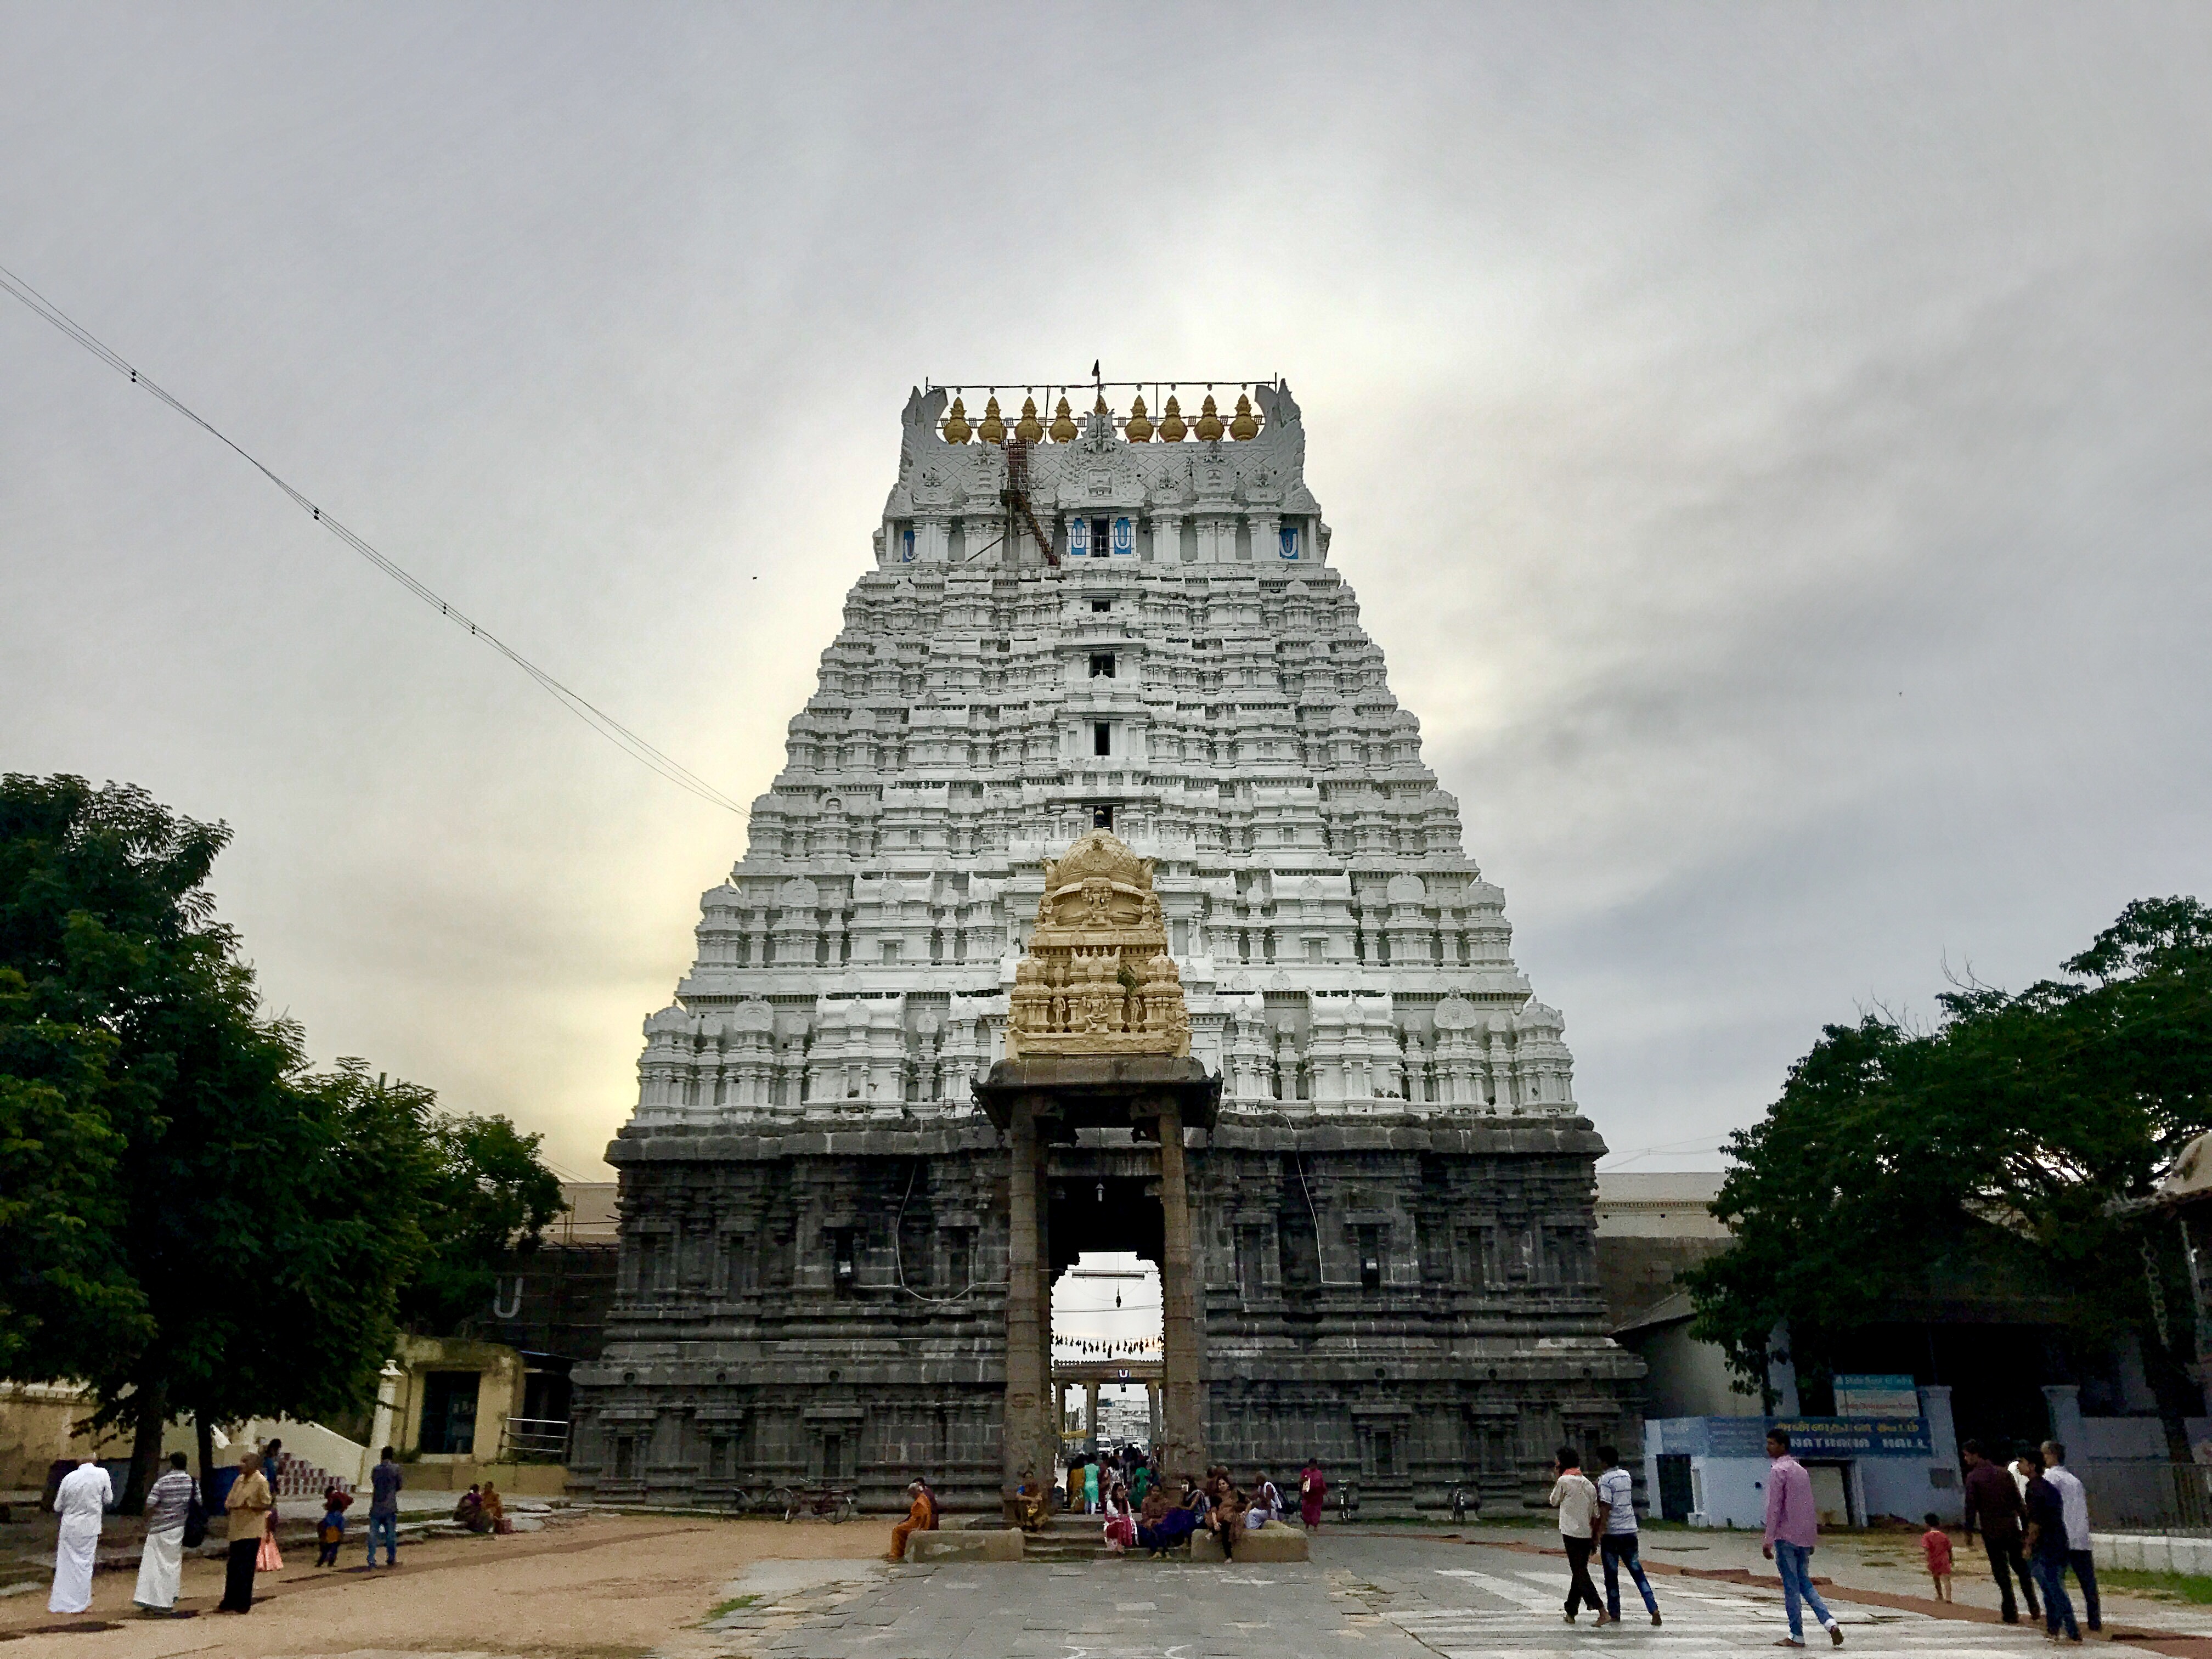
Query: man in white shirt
{"x": 1616, "y": 1497}
{"x": 1576, "y": 1499}
{"x": 2073, "y": 1504}
{"x": 85, "y": 1494}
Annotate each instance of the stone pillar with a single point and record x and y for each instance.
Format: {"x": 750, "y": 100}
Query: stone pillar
{"x": 1152, "y": 1413}
{"x": 1029, "y": 1325}
{"x": 1181, "y": 1442}
{"x": 1090, "y": 1413}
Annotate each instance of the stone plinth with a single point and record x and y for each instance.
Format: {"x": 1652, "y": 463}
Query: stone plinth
{"x": 974, "y": 1544}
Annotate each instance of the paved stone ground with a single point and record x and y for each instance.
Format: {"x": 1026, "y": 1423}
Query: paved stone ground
{"x": 1360, "y": 1598}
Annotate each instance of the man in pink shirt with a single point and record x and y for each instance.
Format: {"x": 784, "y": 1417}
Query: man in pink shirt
{"x": 1792, "y": 1529}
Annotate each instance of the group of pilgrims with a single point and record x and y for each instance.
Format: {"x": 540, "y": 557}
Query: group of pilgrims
{"x": 1139, "y": 1508}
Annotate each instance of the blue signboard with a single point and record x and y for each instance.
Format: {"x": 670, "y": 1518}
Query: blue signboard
{"x": 1124, "y": 537}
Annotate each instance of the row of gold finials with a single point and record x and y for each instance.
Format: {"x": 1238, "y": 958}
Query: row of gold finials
{"x": 1138, "y": 428}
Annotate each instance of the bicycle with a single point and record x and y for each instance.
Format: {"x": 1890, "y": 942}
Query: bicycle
{"x": 831, "y": 1504}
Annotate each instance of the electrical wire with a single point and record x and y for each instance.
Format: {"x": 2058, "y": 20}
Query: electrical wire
{"x": 592, "y": 716}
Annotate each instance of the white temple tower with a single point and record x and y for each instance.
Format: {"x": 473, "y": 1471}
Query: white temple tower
{"x": 1123, "y": 625}
{"x": 1190, "y": 674}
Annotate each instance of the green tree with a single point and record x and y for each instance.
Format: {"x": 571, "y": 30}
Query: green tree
{"x": 65, "y": 1284}
{"x": 1999, "y": 1142}
{"x": 490, "y": 1198}
{"x": 238, "y": 1230}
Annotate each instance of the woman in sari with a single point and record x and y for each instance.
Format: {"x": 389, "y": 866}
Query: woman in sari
{"x": 1121, "y": 1525}
{"x": 469, "y": 1510}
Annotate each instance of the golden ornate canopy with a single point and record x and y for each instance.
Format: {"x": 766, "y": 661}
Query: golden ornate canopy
{"x": 1097, "y": 978}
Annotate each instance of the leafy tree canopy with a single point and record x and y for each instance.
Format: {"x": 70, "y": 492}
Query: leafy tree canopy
{"x": 489, "y": 1196}
{"x": 191, "y": 1220}
{"x": 2010, "y": 1128}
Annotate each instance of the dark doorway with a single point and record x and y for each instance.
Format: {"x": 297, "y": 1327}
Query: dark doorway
{"x": 1677, "y": 1497}
{"x": 449, "y": 1412}
{"x": 1104, "y": 1213}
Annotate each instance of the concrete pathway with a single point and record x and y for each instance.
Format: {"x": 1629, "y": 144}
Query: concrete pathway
{"x": 1361, "y": 1597}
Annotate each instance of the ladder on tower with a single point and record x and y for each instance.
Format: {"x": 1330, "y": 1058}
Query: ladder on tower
{"x": 1016, "y": 495}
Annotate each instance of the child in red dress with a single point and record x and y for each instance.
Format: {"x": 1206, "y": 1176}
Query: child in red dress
{"x": 1937, "y": 1544}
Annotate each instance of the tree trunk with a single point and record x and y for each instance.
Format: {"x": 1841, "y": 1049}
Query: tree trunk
{"x": 150, "y": 1415}
{"x": 203, "y": 1432}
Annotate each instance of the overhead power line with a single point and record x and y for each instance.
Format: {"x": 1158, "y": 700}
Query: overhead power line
{"x": 585, "y": 710}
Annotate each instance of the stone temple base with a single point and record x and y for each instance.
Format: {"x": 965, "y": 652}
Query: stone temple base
{"x": 1414, "y": 1304}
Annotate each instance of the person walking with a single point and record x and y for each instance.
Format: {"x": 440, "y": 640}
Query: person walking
{"x": 1312, "y": 1489}
{"x": 160, "y": 1567}
{"x": 1576, "y": 1499}
{"x": 2073, "y": 1504}
{"x": 83, "y": 1498}
{"x": 1616, "y": 1497}
{"x": 1995, "y": 1510}
{"x": 385, "y": 1483}
{"x": 330, "y": 1531}
{"x": 1090, "y": 1487}
{"x": 2047, "y": 1553}
{"x": 1793, "y": 1530}
{"x": 1936, "y": 1544}
{"x": 249, "y": 1505}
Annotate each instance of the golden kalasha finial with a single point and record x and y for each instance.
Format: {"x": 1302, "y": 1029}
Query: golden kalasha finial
{"x": 1139, "y": 429}
{"x": 994, "y": 430}
{"x": 1099, "y": 408}
{"x": 1027, "y": 429}
{"x": 1209, "y": 419}
{"x": 957, "y": 430}
{"x": 1172, "y": 428}
{"x": 1063, "y": 424}
{"x": 1244, "y": 428}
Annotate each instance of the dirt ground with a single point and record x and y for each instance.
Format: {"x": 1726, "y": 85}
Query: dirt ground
{"x": 596, "y": 1587}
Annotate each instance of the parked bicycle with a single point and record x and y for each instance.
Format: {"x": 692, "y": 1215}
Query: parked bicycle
{"x": 831, "y": 1504}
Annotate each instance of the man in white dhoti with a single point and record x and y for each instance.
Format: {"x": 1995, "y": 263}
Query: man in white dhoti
{"x": 85, "y": 1492}
{"x": 162, "y": 1565}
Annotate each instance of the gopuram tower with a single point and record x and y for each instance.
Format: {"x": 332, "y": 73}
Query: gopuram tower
{"x": 1101, "y": 753}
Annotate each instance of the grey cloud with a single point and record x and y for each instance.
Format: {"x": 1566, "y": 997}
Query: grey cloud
{"x": 1684, "y": 386}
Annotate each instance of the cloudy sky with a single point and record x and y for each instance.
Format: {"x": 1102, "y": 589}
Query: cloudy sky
{"x": 1769, "y": 443}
